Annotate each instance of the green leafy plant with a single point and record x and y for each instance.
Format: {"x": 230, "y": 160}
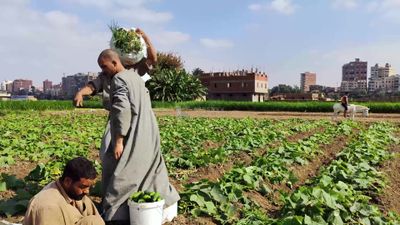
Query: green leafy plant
{"x": 125, "y": 40}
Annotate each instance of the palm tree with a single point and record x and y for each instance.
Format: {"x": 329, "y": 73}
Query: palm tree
{"x": 175, "y": 85}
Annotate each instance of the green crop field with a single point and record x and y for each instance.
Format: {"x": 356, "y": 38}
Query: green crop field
{"x": 299, "y": 106}
{"x": 228, "y": 171}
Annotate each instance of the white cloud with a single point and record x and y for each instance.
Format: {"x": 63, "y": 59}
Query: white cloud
{"x": 390, "y": 4}
{"x": 389, "y": 10}
{"x": 216, "y": 43}
{"x": 169, "y": 39}
{"x": 255, "y": 7}
{"x": 60, "y": 19}
{"x": 44, "y": 45}
{"x": 142, "y": 15}
{"x": 280, "y": 6}
{"x": 283, "y": 6}
{"x": 345, "y": 4}
{"x": 132, "y": 11}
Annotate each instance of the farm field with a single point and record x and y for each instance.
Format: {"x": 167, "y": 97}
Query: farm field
{"x": 230, "y": 167}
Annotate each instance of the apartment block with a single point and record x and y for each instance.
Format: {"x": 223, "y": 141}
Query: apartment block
{"x": 47, "y": 86}
{"x": 383, "y": 79}
{"x": 306, "y": 80}
{"x": 21, "y": 85}
{"x": 354, "y": 76}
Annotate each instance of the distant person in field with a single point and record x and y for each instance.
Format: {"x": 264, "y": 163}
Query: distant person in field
{"x": 133, "y": 161}
{"x": 345, "y": 103}
{"x": 102, "y": 84}
{"x": 64, "y": 202}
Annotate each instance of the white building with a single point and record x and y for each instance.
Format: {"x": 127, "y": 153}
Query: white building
{"x": 4, "y": 84}
{"x": 383, "y": 79}
{"x": 350, "y": 86}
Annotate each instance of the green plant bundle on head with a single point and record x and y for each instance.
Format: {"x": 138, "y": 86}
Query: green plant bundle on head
{"x": 145, "y": 196}
{"x": 125, "y": 40}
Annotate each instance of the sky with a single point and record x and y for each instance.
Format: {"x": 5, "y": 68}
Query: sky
{"x": 49, "y": 39}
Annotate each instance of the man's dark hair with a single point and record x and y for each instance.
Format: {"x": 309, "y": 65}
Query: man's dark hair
{"x": 78, "y": 168}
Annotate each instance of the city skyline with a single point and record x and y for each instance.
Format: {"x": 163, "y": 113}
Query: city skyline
{"x": 280, "y": 37}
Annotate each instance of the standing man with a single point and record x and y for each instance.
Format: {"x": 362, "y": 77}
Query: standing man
{"x": 64, "y": 202}
{"x": 133, "y": 161}
{"x": 102, "y": 84}
{"x": 345, "y": 103}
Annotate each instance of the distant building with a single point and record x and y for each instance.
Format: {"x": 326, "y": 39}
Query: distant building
{"x": 71, "y": 84}
{"x": 6, "y": 86}
{"x": 354, "y": 76}
{"x": 47, "y": 86}
{"x": 383, "y": 79}
{"x": 56, "y": 91}
{"x": 382, "y": 72}
{"x": 21, "y": 85}
{"x": 322, "y": 89}
{"x": 241, "y": 85}
{"x": 307, "y": 79}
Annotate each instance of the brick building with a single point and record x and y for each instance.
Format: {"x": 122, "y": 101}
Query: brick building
{"x": 306, "y": 80}
{"x": 21, "y": 85}
{"x": 241, "y": 85}
{"x": 354, "y": 76}
{"x": 47, "y": 86}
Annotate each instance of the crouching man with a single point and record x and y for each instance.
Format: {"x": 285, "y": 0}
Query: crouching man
{"x": 64, "y": 202}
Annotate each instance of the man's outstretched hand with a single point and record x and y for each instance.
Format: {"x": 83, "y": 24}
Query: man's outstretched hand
{"x": 78, "y": 100}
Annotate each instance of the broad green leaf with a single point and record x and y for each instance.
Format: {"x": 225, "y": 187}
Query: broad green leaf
{"x": 334, "y": 218}
{"x": 211, "y": 207}
{"x": 198, "y": 199}
{"x": 3, "y": 186}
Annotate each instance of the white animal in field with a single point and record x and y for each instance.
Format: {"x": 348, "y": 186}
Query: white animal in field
{"x": 351, "y": 110}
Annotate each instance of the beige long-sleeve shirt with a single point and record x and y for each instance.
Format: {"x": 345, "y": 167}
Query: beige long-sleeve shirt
{"x": 52, "y": 206}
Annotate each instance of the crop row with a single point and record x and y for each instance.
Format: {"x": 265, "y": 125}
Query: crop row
{"x": 225, "y": 200}
{"x": 36, "y": 137}
{"x": 201, "y": 141}
{"x": 343, "y": 192}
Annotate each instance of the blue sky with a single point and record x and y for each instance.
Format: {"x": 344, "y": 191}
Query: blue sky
{"x": 45, "y": 39}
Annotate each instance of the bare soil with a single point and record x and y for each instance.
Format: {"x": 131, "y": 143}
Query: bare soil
{"x": 20, "y": 169}
{"x": 304, "y": 173}
{"x": 272, "y": 204}
{"x": 215, "y": 171}
{"x": 389, "y": 200}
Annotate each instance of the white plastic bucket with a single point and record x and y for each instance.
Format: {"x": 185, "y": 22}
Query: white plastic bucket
{"x": 148, "y": 213}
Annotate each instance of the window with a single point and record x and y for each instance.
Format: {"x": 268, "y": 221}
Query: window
{"x": 228, "y": 85}
{"x": 215, "y": 85}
